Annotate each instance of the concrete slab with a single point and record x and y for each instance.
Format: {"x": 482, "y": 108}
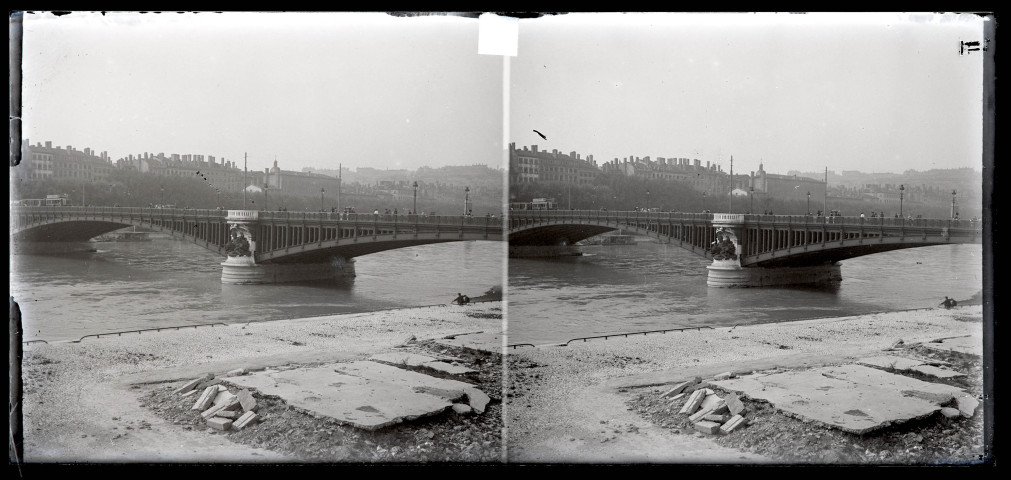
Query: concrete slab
{"x": 909, "y": 364}
{"x": 971, "y": 345}
{"x": 364, "y": 394}
{"x": 403, "y": 358}
{"x": 488, "y": 341}
{"x": 852, "y": 398}
{"x": 424, "y": 361}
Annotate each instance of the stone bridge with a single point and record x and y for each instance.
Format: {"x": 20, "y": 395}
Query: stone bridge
{"x": 261, "y": 246}
{"x": 746, "y": 250}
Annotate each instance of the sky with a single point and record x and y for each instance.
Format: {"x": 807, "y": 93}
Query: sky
{"x": 867, "y": 92}
{"x": 309, "y": 89}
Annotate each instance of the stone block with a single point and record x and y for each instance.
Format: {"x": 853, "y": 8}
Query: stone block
{"x": 477, "y": 399}
{"x": 206, "y": 398}
{"x": 237, "y": 372}
{"x": 219, "y": 423}
{"x": 678, "y": 397}
{"x": 462, "y": 409}
{"x": 967, "y": 405}
{"x": 710, "y": 400}
{"x": 707, "y": 410}
{"x": 697, "y": 386}
{"x": 232, "y": 414}
{"x": 676, "y": 390}
{"x": 206, "y": 383}
{"x": 224, "y": 397}
{"x": 189, "y": 386}
{"x": 717, "y": 417}
{"x": 247, "y": 401}
{"x": 951, "y": 413}
{"x": 245, "y": 420}
{"x": 693, "y": 402}
{"x": 707, "y": 427}
{"x": 735, "y": 405}
{"x": 210, "y": 412}
{"x": 734, "y": 423}
{"x": 191, "y": 392}
{"x": 724, "y": 376}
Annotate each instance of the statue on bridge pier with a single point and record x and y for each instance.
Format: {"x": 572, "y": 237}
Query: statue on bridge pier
{"x": 723, "y": 248}
{"x": 238, "y": 243}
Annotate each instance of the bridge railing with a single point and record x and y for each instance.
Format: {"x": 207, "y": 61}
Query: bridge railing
{"x": 403, "y": 218}
{"x": 104, "y": 211}
{"x": 749, "y": 218}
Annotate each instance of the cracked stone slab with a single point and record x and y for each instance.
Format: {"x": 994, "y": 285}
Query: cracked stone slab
{"x": 488, "y": 341}
{"x": 971, "y": 345}
{"x": 416, "y": 360}
{"x": 910, "y": 364}
{"x": 853, "y": 398}
{"x": 364, "y": 394}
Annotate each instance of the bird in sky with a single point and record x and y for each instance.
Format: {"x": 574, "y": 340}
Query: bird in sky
{"x": 541, "y": 134}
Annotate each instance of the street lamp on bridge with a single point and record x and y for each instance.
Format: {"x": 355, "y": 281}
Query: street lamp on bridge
{"x": 163, "y": 195}
{"x": 751, "y": 196}
{"x": 466, "y": 200}
{"x": 266, "y": 207}
{"x": 647, "y": 200}
{"x": 415, "y": 185}
{"x": 953, "y": 204}
{"x": 902, "y": 192}
{"x": 703, "y": 202}
{"x": 809, "y": 203}
{"x": 321, "y": 192}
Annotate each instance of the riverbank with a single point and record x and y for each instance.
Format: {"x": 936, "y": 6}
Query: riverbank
{"x": 107, "y": 399}
{"x": 584, "y": 403}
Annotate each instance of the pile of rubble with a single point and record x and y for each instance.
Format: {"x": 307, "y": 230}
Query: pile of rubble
{"x": 707, "y": 411}
{"x": 222, "y": 409}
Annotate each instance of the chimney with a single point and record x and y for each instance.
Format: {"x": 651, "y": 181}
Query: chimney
{"x": 534, "y": 148}
{"x": 49, "y": 144}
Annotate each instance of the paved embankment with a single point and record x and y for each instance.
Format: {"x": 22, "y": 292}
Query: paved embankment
{"x": 81, "y": 401}
{"x": 568, "y": 404}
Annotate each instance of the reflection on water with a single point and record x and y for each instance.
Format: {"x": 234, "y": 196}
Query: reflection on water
{"x": 651, "y": 286}
{"x": 166, "y": 282}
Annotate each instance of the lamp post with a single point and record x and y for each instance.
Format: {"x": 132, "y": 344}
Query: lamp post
{"x": 163, "y": 196}
{"x": 703, "y": 202}
{"x": 466, "y": 200}
{"x": 902, "y": 192}
{"x": 647, "y": 200}
{"x": 415, "y": 185}
{"x": 266, "y": 208}
{"x": 809, "y": 203}
{"x": 321, "y": 192}
{"x": 953, "y": 204}
{"x": 751, "y": 196}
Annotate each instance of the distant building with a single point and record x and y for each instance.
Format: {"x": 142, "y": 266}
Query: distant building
{"x": 786, "y": 186}
{"x": 708, "y": 178}
{"x": 532, "y": 165}
{"x": 298, "y": 183}
{"x": 45, "y": 161}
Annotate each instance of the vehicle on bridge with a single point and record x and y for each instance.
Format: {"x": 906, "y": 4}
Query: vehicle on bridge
{"x": 60, "y": 200}
{"x": 536, "y": 204}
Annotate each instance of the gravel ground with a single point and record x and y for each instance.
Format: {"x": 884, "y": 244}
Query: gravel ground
{"x": 81, "y": 403}
{"x": 584, "y": 402}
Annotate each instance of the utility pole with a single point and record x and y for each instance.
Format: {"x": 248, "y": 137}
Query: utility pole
{"x": 731, "y": 208}
{"x": 825, "y": 209}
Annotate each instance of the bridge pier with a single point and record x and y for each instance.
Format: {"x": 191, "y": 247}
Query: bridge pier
{"x": 541, "y": 251}
{"x": 727, "y": 276}
{"x": 245, "y": 271}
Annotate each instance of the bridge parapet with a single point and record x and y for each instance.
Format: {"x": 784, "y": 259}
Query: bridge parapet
{"x": 242, "y": 215}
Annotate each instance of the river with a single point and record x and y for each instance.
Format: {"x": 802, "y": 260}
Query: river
{"x": 167, "y": 282}
{"x": 651, "y": 286}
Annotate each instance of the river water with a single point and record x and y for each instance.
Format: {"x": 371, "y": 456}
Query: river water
{"x": 651, "y": 286}
{"x": 167, "y": 282}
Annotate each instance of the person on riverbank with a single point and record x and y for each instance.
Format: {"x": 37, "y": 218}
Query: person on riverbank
{"x": 948, "y": 302}
{"x": 461, "y": 299}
